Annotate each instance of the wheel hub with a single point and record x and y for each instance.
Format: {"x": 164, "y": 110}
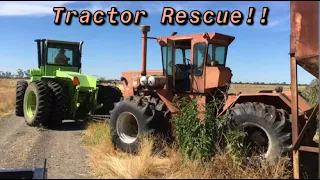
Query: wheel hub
{"x": 127, "y": 127}
{"x": 258, "y": 140}
{"x": 31, "y": 104}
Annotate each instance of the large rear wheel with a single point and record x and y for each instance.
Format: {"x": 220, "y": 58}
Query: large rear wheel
{"x": 37, "y": 103}
{"x": 268, "y": 129}
{"x": 59, "y": 105}
{"x": 20, "y": 91}
{"x": 108, "y": 96}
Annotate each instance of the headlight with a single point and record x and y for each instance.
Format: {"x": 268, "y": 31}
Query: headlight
{"x": 143, "y": 81}
{"x": 151, "y": 81}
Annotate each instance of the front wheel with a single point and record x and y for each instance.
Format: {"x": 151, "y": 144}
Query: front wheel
{"x": 130, "y": 120}
{"x": 268, "y": 129}
{"x": 37, "y": 103}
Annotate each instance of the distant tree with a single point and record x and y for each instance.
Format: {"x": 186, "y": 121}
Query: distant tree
{"x": 101, "y": 78}
{"x": 27, "y": 73}
{"x": 20, "y": 73}
{"x": 8, "y": 75}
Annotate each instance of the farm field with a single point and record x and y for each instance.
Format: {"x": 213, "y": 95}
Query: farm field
{"x": 7, "y": 92}
{"x": 105, "y": 162}
{"x": 254, "y": 88}
{"x": 7, "y": 96}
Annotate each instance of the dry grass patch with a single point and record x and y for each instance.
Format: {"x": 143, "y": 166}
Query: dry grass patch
{"x": 255, "y": 88}
{"x": 7, "y": 96}
{"x": 106, "y": 162}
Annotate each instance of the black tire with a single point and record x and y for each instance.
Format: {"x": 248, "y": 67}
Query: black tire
{"x": 59, "y": 105}
{"x": 20, "y": 91}
{"x": 275, "y": 124}
{"x": 43, "y": 96}
{"x": 108, "y": 96}
{"x": 148, "y": 118}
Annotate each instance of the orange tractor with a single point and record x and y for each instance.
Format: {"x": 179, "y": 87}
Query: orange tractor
{"x": 195, "y": 66}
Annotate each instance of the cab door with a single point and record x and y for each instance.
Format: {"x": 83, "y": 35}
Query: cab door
{"x": 170, "y": 63}
{"x": 198, "y": 57}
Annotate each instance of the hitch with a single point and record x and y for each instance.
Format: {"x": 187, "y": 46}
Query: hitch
{"x": 100, "y": 118}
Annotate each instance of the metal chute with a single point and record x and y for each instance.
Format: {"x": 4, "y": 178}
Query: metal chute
{"x": 305, "y": 34}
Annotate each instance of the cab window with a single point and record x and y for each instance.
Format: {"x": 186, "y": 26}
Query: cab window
{"x": 179, "y": 56}
{"x": 167, "y": 58}
{"x": 58, "y": 54}
{"x": 199, "y": 50}
{"x": 216, "y": 55}
{"x": 187, "y": 53}
{"x": 164, "y": 58}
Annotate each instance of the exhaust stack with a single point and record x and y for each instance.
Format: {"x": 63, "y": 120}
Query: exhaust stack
{"x": 145, "y": 30}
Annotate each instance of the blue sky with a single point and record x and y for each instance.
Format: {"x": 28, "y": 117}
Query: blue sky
{"x": 258, "y": 53}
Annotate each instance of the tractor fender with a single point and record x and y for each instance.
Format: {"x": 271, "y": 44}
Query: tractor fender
{"x": 280, "y": 100}
{"x": 35, "y": 72}
{"x": 167, "y": 100}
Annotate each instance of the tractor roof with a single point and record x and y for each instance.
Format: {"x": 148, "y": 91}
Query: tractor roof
{"x": 62, "y": 42}
{"x": 58, "y": 41}
{"x": 212, "y": 36}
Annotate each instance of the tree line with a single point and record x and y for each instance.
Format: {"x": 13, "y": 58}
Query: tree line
{"x": 20, "y": 74}
{"x": 263, "y": 83}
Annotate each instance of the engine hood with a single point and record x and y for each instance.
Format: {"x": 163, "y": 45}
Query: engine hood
{"x": 85, "y": 80}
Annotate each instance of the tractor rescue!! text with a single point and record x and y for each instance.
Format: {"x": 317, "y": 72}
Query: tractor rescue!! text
{"x": 169, "y": 16}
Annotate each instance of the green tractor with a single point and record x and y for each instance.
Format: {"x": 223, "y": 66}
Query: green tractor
{"x": 58, "y": 90}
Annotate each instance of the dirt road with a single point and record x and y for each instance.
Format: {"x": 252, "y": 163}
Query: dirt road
{"x": 22, "y": 146}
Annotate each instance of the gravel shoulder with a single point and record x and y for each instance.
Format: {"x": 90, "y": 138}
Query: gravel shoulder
{"x": 22, "y": 146}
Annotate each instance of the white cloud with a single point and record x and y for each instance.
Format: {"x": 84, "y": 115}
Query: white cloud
{"x": 152, "y": 7}
{"x": 278, "y": 5}
{"x": 106, "y": 5}
{"x": 157, "y": 7}
{"x": 275, "y": 6}
{"x": 272, "y": 24}
{"x": 278, "y": 16}
{"x": 31, "y": 8}
{"x": 278, "y": 24}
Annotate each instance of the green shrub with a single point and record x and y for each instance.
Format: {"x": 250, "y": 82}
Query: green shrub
{"x": 311, "y": 92}
{"x": 235, "y": 147}
{"x": 201, "y": 140}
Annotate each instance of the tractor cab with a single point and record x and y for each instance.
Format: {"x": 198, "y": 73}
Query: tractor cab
{"x": 195, "y": 63}
{"x": 62, "y": 55}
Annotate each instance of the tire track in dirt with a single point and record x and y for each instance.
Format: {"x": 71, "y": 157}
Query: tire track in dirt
{"x": 22, "y": 146}
{"x": 15, "y": 142}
